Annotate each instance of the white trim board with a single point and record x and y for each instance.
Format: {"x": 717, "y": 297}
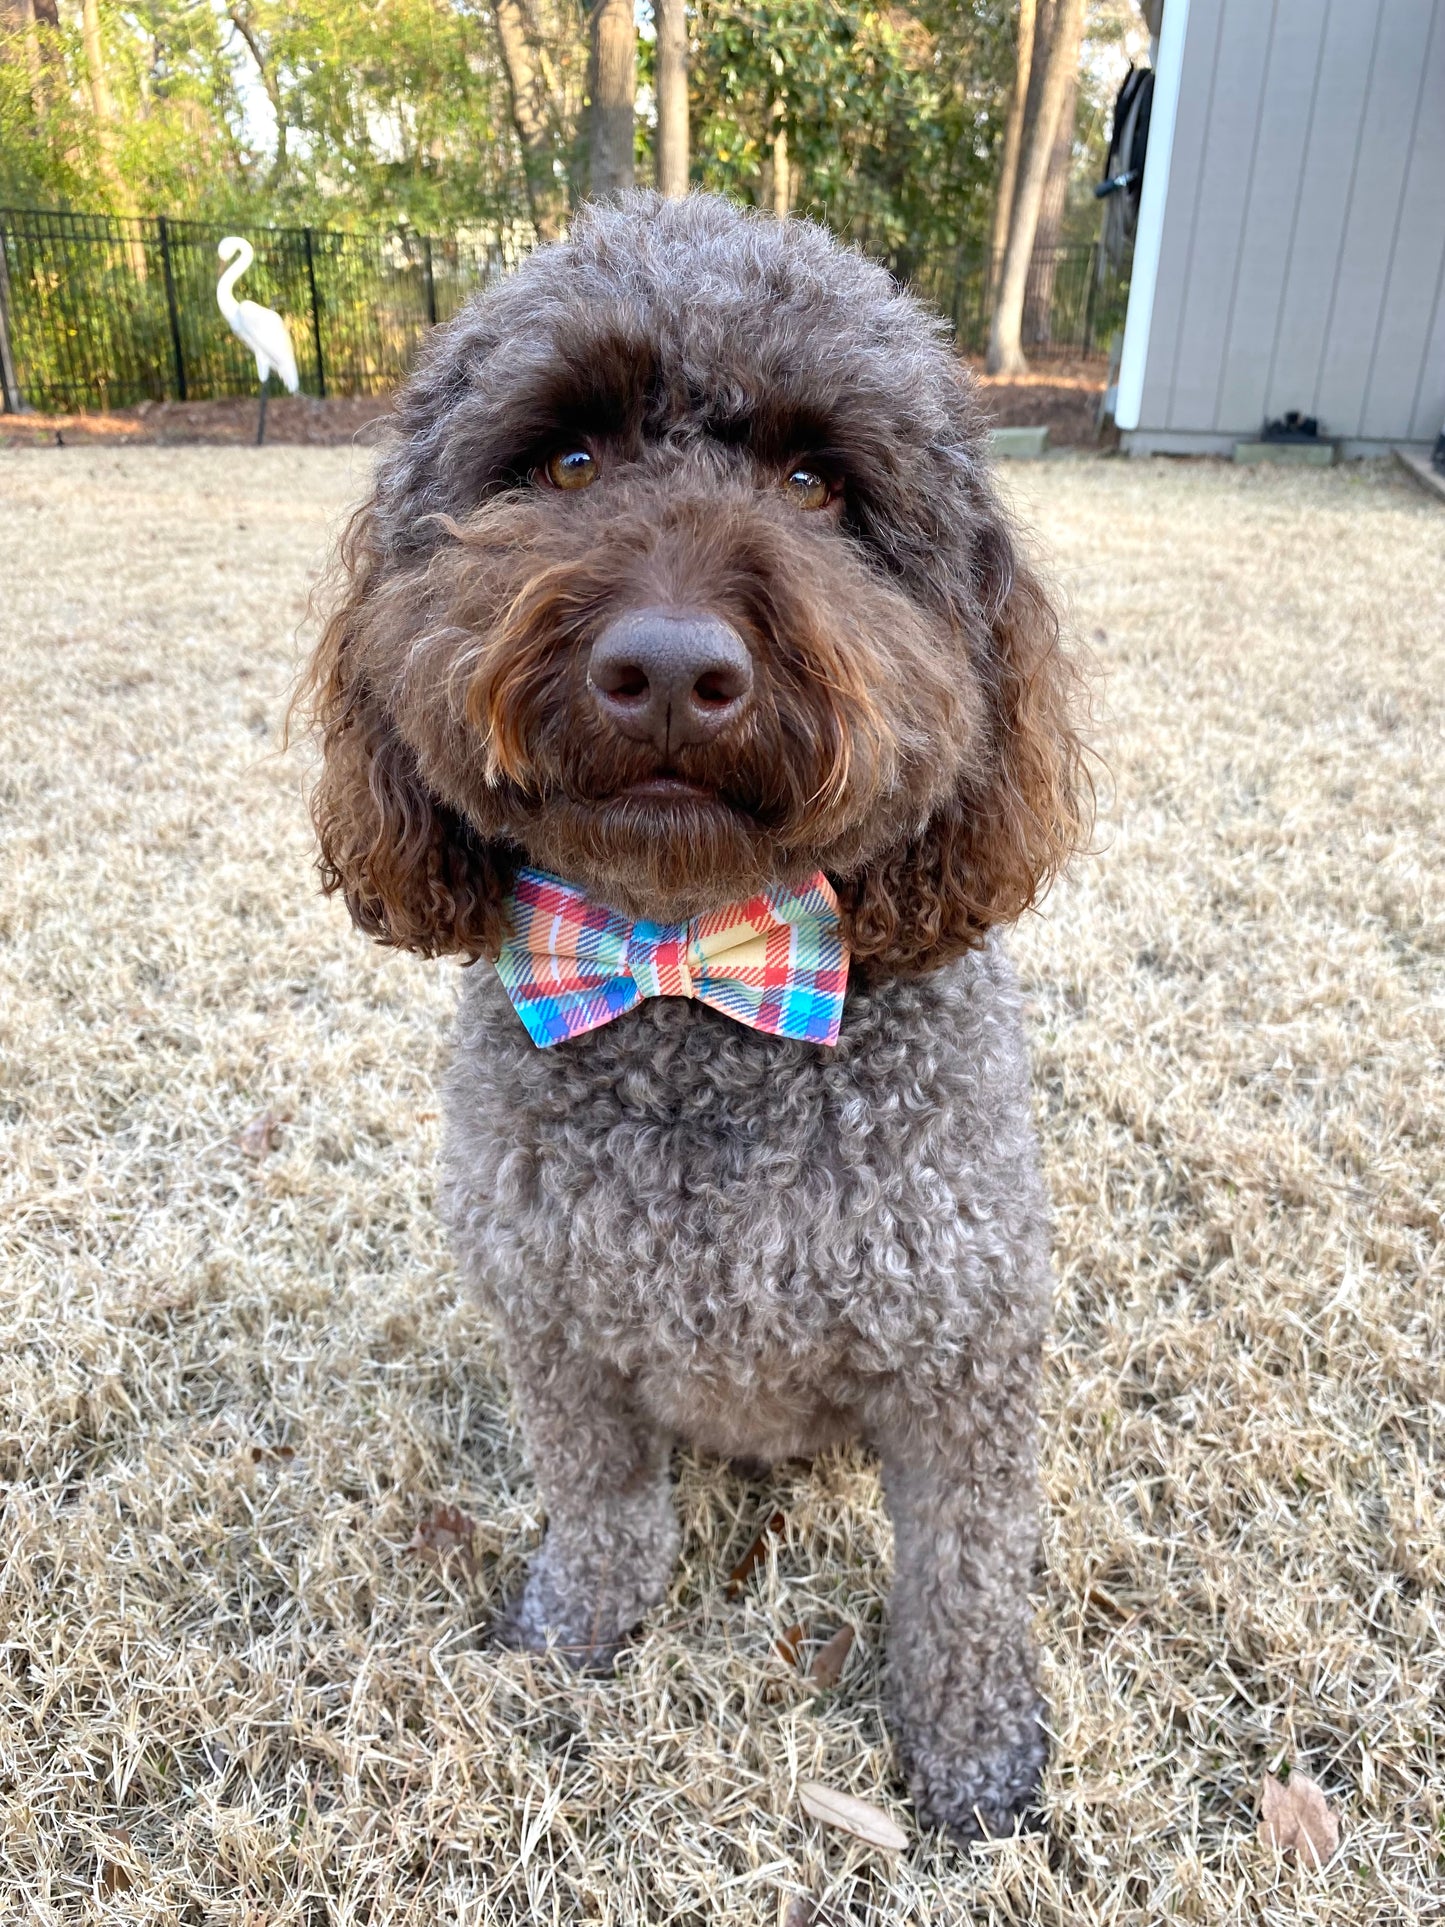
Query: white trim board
{"x": 1149, "y": 233}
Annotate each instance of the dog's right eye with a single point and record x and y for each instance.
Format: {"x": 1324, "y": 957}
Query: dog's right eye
{"x": 571, "y": 468}
{"x": 805, "y": 488}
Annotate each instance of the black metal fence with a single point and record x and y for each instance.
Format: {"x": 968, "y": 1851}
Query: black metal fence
{"x": 98, "y": 311}
{"x": 1075, "y": 298}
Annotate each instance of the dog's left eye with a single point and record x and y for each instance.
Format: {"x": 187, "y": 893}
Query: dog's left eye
{"x": 571, "y": 468}
{"x": 805, "y": 488}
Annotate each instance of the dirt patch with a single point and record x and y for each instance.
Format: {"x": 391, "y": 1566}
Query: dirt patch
{"x": 246, "y": 1675}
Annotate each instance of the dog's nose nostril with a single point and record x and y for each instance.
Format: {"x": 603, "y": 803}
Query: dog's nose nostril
{"x": 624, "y": 681}
{"x": 717, "y": 688}
{"x": 670, "y": 677}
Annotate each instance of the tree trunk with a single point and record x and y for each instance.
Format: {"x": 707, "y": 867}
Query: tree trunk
{"x": 103, "y": 104}
{"x": 19, "y": 16}
{"x": 672, "y": 128}
{"x": 782, "y": 168}
{"x": 1060, "y": 60}
{"x": 100, "y": 98}
{"x": 534, "y": 118}
{"x": 1008, "y": 171}
{"x": 43, "y": 49}
{"x": 37, "y": 24}
{"x": 614, "y": 90}
{"x": 1043, "y": 267}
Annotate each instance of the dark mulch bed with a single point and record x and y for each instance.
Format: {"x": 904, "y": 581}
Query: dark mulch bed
{"x": 295, "y": 419}
{"x": 1059, "y": 393}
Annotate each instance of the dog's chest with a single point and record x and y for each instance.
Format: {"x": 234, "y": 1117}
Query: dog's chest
{"x": 678, "y": 1187}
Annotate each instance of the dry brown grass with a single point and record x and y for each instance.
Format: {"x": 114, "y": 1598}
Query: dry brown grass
{"x": 228, "y": 1694}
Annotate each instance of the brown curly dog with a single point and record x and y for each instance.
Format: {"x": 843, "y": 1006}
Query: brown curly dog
{"x": 684, "y": 580}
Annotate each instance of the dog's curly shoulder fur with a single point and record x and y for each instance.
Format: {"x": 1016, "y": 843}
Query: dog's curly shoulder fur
{"x": 688, "y": 1229}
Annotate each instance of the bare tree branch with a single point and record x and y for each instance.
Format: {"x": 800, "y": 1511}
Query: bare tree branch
{"x": 240, "y": 19}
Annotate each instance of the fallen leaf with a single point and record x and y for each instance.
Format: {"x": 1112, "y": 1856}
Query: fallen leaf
{"x": 787, "y": 1646}
{"x": 114, "y": 1876}
{"x": 261, "y": 1136}
{"x": 827, "y": 1667}
{"x": 1298, "y": 1819}
{"x": 737, "y": 1578}
{"x": 858, "y": 1817}
{"x": 443, "y": 1531}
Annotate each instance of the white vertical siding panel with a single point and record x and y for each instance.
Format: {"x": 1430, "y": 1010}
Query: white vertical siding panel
{"x": 1391, "y": 119}
{"x": 1224, "y": 178}
{"x": 1331, "y": 150}
{"x": 1276, "y": 185}
{"x": 1196, "y": 88}
{"x": 1398, "y": 374}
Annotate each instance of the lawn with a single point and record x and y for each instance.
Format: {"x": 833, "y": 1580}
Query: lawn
{"x": 243, "y": 1679}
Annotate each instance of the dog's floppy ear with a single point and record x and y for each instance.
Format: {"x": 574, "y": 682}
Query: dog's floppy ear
{"x": 412, "y": 871}
{"x": 992, "y": 848}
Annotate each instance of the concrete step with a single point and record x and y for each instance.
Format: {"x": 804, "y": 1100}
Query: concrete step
{"x": 1288, "y": 454}
{"x": 1019, "y": 444}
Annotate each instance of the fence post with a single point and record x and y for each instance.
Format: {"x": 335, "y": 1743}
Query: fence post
{"x": 431, "y": 286}
{"x": 9, "y": 386}
{"x": 315, "y": 317}
{"x": 1094, "y": 263}
{"x": 172, "y": 307}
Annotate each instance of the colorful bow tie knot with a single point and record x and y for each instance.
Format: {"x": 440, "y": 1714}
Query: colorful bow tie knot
{"x": 776, "y": 963}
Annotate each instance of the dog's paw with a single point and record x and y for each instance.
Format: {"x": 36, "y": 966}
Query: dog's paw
{"x": 589, "y": 1588}
{"x": 989, "y": 1795}
{"x": 532, "y": 1623}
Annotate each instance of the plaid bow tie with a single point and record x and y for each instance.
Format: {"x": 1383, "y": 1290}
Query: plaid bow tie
{"x": 776, "y": 963}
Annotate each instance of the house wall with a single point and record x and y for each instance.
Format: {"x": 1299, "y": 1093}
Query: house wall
{"x": 1298, "y": 239}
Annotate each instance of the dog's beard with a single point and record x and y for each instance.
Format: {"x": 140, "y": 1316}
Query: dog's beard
{"x": 661, "y": 859}
{"x": 595, "y": 810}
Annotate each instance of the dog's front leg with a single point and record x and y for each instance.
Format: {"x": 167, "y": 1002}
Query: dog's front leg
{"x": 962, "y": 1493}
{"x": 612, "y": 1535}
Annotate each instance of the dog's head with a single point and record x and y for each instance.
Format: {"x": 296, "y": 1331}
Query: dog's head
{"x": 685, "y": 575}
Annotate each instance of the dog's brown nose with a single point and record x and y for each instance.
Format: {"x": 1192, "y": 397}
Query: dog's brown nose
{"x": 670, "y": 677}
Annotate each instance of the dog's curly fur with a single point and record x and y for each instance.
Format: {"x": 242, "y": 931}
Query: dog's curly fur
{"x": 686, "y": 1228}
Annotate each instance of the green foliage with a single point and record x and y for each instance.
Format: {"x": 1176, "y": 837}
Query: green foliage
{"x": 389, "y": 111}
{"x": 173, "y": 137}
{"x": 893, "y": 114}
{"x": 397, "y": 112}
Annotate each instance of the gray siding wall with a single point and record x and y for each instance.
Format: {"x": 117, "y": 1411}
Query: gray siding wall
{"x": 1302, "y": 262}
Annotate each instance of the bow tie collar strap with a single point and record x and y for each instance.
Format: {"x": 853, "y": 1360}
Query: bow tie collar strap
{"x": 776, "y": 963}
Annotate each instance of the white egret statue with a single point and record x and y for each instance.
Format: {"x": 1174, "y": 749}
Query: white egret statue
{"x": 260, "y": 329}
